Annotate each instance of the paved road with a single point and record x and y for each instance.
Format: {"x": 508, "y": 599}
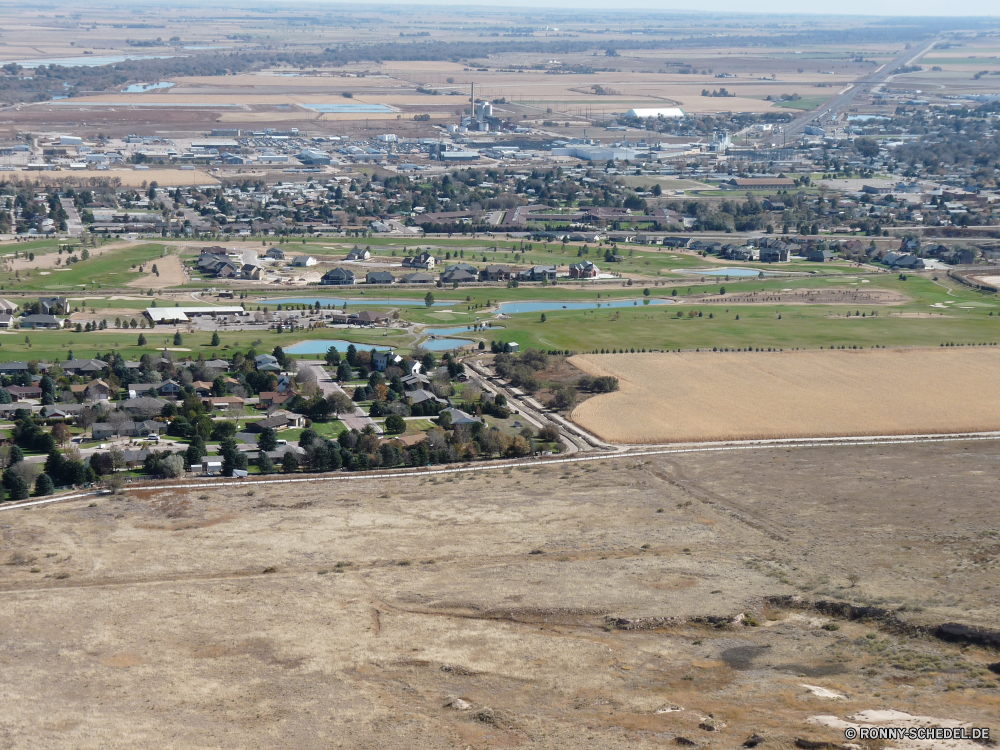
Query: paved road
{"x": 863, "y": 84}
{"x": 74, "y": 224}
{"x": 356, "y": 421}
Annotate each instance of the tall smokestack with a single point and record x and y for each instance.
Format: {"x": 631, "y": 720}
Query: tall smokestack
{"x": 473, "y": 99}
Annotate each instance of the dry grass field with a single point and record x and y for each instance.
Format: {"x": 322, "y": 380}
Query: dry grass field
{"x": 721, "y": 396}
{"x": 353, "y": 614}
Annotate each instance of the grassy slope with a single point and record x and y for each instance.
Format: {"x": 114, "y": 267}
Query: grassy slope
{"x": 107, "y": 266}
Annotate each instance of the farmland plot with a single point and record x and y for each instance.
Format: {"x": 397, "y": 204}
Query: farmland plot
{"x": 721, "y": 396}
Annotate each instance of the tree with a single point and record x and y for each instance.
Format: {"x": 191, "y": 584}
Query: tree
{"x": 429, "y": 299}
{"x": 332, "y": 357}
{"x": 142, "y": 340}
{"x": 267, "y": 439}
{"x": 543, "y": 317}
{"x": 19, "y": 489}
{"x": 344, "y": 372}
{"x": 60, "y": 433}
{"x": 395, "y": 424}
{"x": 289, "y": 463}
{"x": 215, "y": 338}
{"x": 172, "y": 466}
{"x": 44, "y": 485}
{"x": 265, "y": 463}
{"x": 178, "y": 340}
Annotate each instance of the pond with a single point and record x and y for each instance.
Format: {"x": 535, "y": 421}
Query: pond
{"x": 739, "y": 272}
{"x": 89, "y": 61}
{"x": 138, "y": 88}
{"x": 322, "y": 346}
{"x": 445, "y": 331}
{"x": 354, "y": 302}
{"x": 359, "y": 107}
{"x": 512, "y": 308}
{"x": 445, "y": 345}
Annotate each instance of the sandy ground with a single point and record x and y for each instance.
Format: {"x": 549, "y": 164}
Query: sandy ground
{"x": 720, "y": 396}
{"x": 352, "y": 614}
{"x": 171, "y": 274}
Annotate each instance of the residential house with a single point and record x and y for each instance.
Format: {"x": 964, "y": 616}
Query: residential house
{"x": 267, "y": 399}
{"x": 6, "y": 306}
{"x": 538, "y": 273}
{"x": 168, "y": 389}
{"x": 303, "y": 261}
{"x": 338, "y": 277}
{"x": 62, "y": 411}
{"x": 251, "y": 272}
{"x": 222, "y": 402}
{"x": 40, "y": 321}
{"x": 495, "y": 272}
{"x": 95, "y": 390}
{"x": 421, "y": 396}
{"x": 379, "y": 277}
{"x": 6, "y": 320}
{"x": 275, "y": 253}
{"x": 459, "y": 273}
{"x": 774, "y": 255}
{"x": 91, "y": 367}
{"x": 459, "y": 417}
{"x": 104, "y": 430}
{"x": 418, "y": 278}
{"x": 359, "y": 254}
{"x": 53, "y": 305}
{"x": 20, "y": 392}
{"x": 583, "y": 270}
{"x": 384, "y": 360}
{"x": 276, "y": 421}
{"x": 819, "y": 256}
{"x": 424, "y": 261}
{"x": 227, "y": 270}
{"x": 416, "y": 381}
{"x": 267, "y": 363}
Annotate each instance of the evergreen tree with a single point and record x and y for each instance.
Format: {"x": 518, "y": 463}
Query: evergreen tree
{"x": 19, "y": 489}
{"x": 178, "y": 341}
{"x": 142, "y": 340}
{"x": 44, "y": 485}
{"x": 215, "y": 338}
{"x": 289, "y": 463}
{"x": 265, "y": 464}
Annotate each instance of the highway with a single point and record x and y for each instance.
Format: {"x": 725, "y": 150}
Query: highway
{"x": 864, "y": 84}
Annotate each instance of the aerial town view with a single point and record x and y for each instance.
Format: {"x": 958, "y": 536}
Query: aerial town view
{"x": 475, "y": 376}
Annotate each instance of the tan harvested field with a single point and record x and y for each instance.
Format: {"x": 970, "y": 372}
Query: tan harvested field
{"x": 747, "y": 395}
{"x": 350, "y": 614}
{"x": 171, "y": 274}
{"x": 128, "y": 177}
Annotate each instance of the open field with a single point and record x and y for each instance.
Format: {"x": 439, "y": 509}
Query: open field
{"x": 722, "y": 396}
{"x": 353, "y": 613}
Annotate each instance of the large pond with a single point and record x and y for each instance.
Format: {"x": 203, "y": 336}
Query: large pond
{"x": 512, "y": 308}
{"x": 739, "y": 272}
{"x": 445, "y": 345}
{"x": 355, "y": 301}
{"x": 88, "y": 61}
{"x": 138, "y": 88}
{"x": 322, "y": 346}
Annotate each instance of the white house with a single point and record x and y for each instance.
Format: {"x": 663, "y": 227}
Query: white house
{"x": 302, "y": 261}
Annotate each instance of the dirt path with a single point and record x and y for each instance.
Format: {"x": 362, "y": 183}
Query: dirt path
{"x": 171, "y": 274}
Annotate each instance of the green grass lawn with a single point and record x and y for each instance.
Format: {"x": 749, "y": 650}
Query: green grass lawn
{"x": 106, "y": 266}
{"x": 805, "y": 103}
{"x": 329, "y": 430}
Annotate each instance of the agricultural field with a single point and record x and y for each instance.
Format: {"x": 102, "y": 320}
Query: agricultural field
{"x": 694, "y": 397}
{"x": 563, "y": 607}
